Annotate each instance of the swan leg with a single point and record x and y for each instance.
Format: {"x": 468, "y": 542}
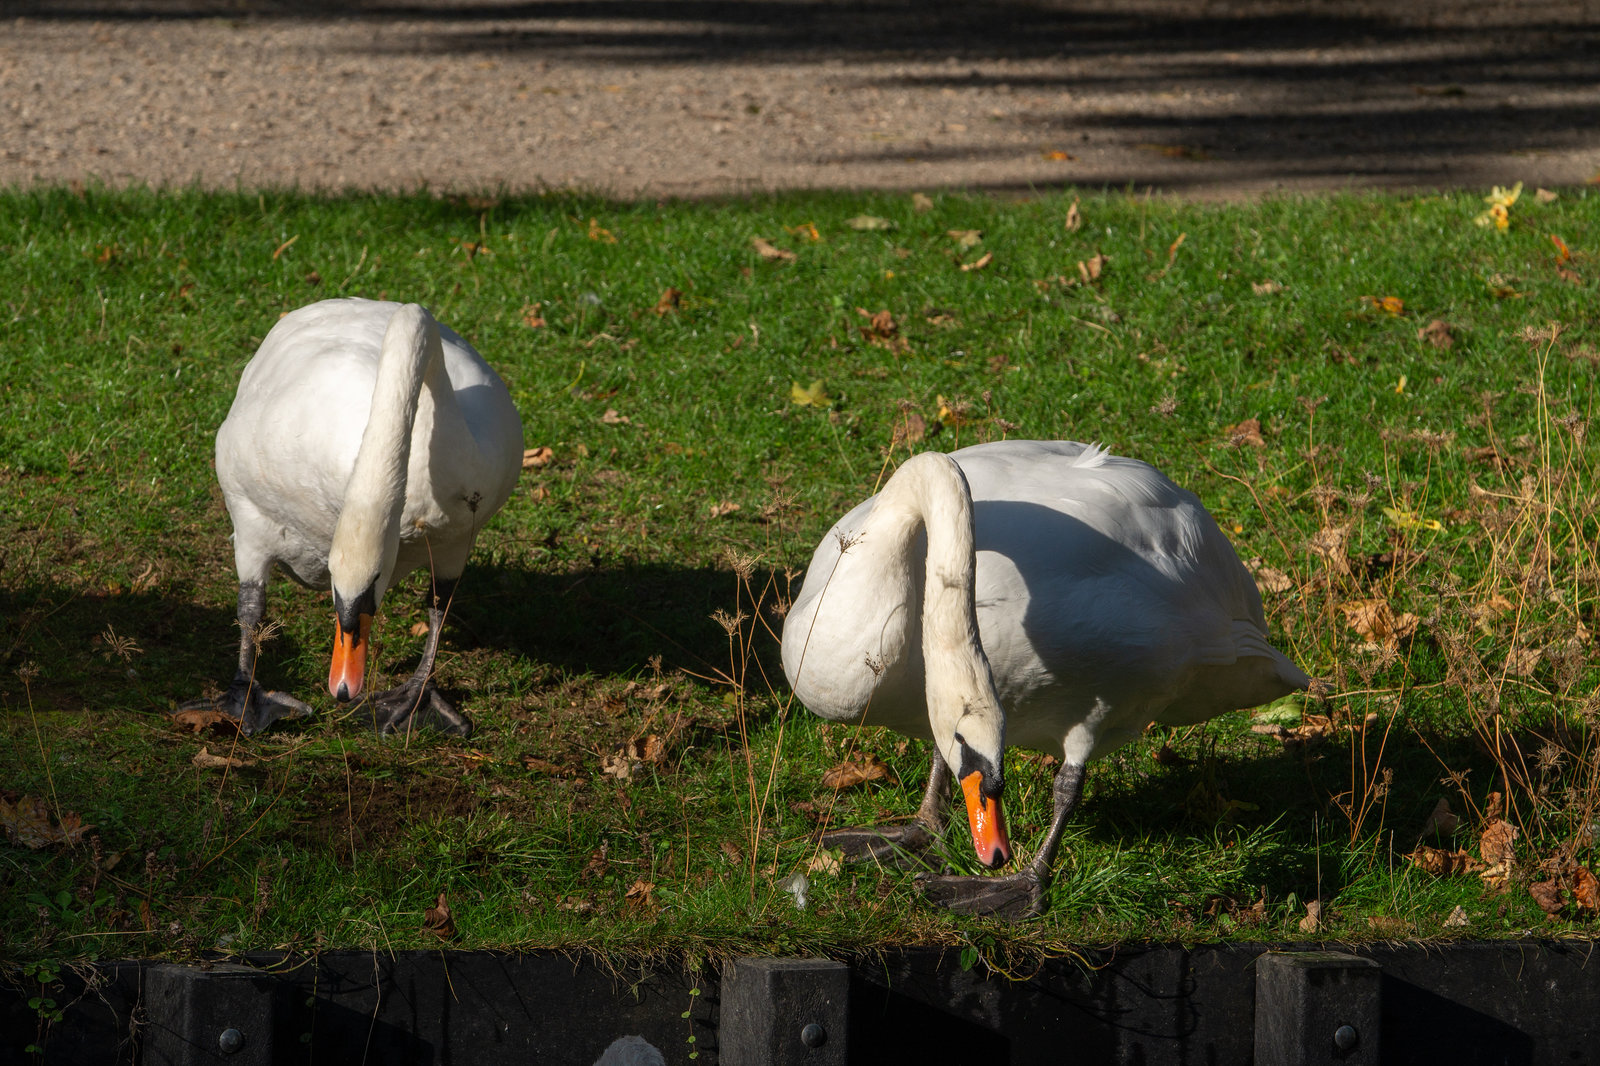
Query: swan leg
{"x": 245, "y": 700}
{"x": 418, "y": 703}
{"x": 1018, "y": 895}
{"x": 889, "y": 844}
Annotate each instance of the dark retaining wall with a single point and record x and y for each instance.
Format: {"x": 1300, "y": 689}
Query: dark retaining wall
{"x": 1517, "y": 1002}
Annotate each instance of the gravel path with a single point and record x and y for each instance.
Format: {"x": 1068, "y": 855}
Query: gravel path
{"x": 659, "y": 98}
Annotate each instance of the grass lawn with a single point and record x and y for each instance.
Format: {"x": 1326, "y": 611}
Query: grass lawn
{"x": 1384, "y": 404}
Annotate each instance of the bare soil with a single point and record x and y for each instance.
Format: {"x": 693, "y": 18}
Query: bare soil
{"x": 694, "y": 98}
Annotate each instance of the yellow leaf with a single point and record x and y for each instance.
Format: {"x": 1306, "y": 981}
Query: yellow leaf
{"x": 1412, "y": 520}
{"x": 599, "y": 233}
{"x": 813, "y": 395}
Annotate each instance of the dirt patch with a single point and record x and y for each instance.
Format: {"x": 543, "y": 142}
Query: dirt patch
{"x": 672, "y": 98}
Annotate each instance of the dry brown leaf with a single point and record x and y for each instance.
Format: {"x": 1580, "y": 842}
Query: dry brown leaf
{"x": 1074, "y": 220}
{"x": 1090, "y": 269}
{"x": 531, "y": 316}
{"x": 611, "y": 418}
{"x": 921, "y": 203}
{"x": 1383, "y": 925}
{"x": 823, "y": 862}
{"x": 1494, "y": 807}
{"x": 1547, "y": 894}
{"x": 731, "y": 852}
{"x": 979, "y": 263}
{"x": 196, "y": 719}
{"x": 641, "y": 894}
{"x": 27, "y": 822}
{"x": 1438, "y": 333}
{"x": 965, "y": 238}
{"x": 1585, "y": 889}
{"x": 1265, "y": 288}
{"x": 1246, "y": 432}
{"x": 419, "y": 628}
{"x": 438, "y": 920}
{"x": 771, "y": 252}
{"x": 545, "y": 766}
{"x": 1458, "y": 919}
{"x": 1270, "y": 580}
{"x": 910, "y": 429}
{"x": 1522, "y": 660}
{"x": 669, "y": 302}
{"x": 726, "y": 507}
{"x": 619, "y": 765}
{"x": 1498, "y": 843}
{"x": 1329, "y": 542}
{"x": 534, "y": 458}
{"x": 1313, "y": 919}
{"x": 1374, "y": 620}
{"x": 882, "y": 331}
{"x": 856, "y": 772}
{"x": 1442, "y": 863}
{"x": 1165, "y": 756}
{"x": 1442, "y": 820}
{"x": 207, "y": 761}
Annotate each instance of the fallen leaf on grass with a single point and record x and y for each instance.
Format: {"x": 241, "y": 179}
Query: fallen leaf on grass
{"x": 531, "y": 316}
{"x": 1384, "y": 925}
{"x": 1329, "y": 542}
{"x": 1313, "y": 919}
{"x": 869, "y": 222}
{"x": 534, "y": 458}
{"x": 599, "y": 233}
{"x": 813, "y": 395}
{"x": 824, "y": 862}
{"x": 618, "y": 765}
{"x": 438, "y": 920}
{"x": 196, "y": 719}
{"x": 669, "y": 302}
{"x": 1547, "y": 894}
{"x": 1246, "y": 432}
{"x": 1374, "y": 620}
{"x": 771, "y": 252}
{"x": 27, "y": 822}
{"x": 1498, "y": 843}
{"x": 207, "y": 761}
{"x": 806, "y": 231}
{"x": 726, "y": 507}
{"x": 911, "y": 429}
{"x": 1265, "y": 288}
{"x": 611, "y": 418}
{"x": 1521, "y": 660}
{"x": 1585, "y": 889}
{"x": 1438, "y": 333}
{"x": 882, "y": 331}
{"x": 731, "y": 852}
{"x": 1458, "y": 919}
{"x": 641, "y": 894}
{"x": 1389, "y": 305}
{"x": 545, "y": 766}
{"x": 857, "y": 772}
{"x": 921, "y": 203}
{"x": 1442, "y": 863}
{"x": 979, "y": 263}
{"x": 1165, "y": 756}
{"x": 965, "y": 238}
{"x": 1074, "y": 220}
{"x": 1403, "y": 519}
{"x": 418, "y": 629}
{"x": 1271, "y": 580}
{"x": 1090, "y": 269}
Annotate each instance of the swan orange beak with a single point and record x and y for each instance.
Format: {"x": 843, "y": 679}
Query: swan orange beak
{"x": 988, "y": 823}
{"x": 349, "y": 659}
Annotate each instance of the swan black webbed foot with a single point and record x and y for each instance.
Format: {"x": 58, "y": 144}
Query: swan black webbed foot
{"x": 417, "y": 704}
{"x": 253, "y": 707}
{"x": 887, "y": 845}
{"x": 1016, "y": 896}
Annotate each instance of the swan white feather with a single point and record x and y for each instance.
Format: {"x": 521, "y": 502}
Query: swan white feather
{"x": 1105, "y": 597}
{"x": 365, "y": 441}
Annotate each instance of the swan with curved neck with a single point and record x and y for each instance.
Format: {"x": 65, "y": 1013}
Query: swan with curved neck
{"x": 1040, "y": 593}
{"x": 365, "y": 441}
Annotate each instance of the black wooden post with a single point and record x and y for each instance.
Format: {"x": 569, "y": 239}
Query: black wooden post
{"x": 222, "y": 1016}
{"x": 784, "y": 1012}
{"x": 1317, "y": 1008}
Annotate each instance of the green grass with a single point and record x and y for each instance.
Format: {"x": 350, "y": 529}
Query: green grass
{"x": 585, "y": 622}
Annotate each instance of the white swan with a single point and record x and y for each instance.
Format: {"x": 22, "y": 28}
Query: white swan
{"x": 365, "y": 441}
{"x": 1044, "y": 594}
